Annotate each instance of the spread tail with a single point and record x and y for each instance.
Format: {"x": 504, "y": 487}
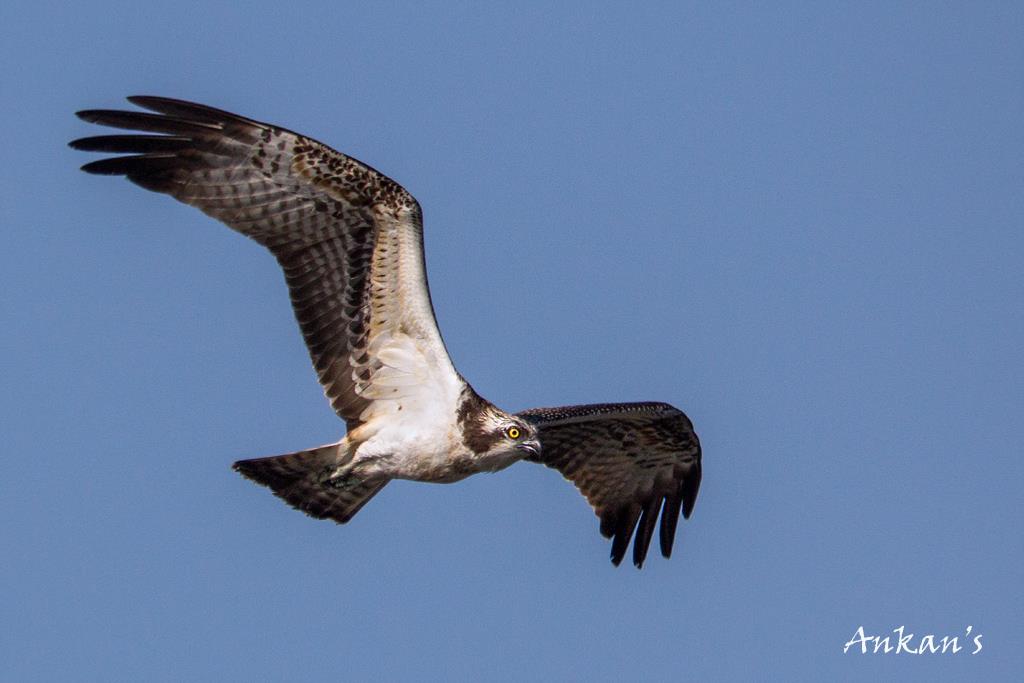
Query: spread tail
{"x": 303, "y": 481}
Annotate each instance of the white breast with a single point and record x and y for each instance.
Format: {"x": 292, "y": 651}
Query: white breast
{"x": 412, "y": 433}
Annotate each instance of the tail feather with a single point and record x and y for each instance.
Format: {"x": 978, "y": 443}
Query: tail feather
{"x": 301, "y": 480}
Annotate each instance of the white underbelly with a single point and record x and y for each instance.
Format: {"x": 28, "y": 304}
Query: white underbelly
{"x": 411, "y": 449}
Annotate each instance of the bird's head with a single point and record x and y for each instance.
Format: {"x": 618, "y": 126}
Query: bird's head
{"x": 518, "y": 435}
{"x": 490, "y": 432}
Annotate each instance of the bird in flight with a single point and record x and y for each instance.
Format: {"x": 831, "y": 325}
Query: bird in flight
{"x": 350, "y": 242}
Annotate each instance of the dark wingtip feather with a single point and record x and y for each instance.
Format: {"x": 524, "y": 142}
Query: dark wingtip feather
{"x": 644, "y": 532}
{"x": 102, "y": 167}
{"x": 133, "y": 144}
{"x": 191, "y": 110}
{"x": 691, "y": 485}
{"x": 155, "y": 123}
{"x": 150, "y": 100}
{"x": 141, "y": 164}
{"x": 618, "y": 552}
{"x": 669, "y": 520}
{"x": 245, "y": 468}
{"x": 608, "y": 523}
{"x": 625, "y": 524}
{"x": 87, "y": 114}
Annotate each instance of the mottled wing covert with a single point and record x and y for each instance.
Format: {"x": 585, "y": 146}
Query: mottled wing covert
{"x": 348, "y": 238}
{"x": 630, "y": 461}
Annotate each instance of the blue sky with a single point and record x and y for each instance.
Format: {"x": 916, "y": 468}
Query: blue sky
{"x": 799, "y": 223}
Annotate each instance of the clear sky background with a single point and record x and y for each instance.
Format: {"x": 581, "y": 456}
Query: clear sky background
{"x": 802, "y": 224}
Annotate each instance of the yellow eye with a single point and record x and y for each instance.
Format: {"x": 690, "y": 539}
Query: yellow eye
{"x": 513, "y": 432}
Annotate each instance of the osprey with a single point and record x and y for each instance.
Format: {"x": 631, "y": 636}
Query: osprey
{"x": 350, "y": 242}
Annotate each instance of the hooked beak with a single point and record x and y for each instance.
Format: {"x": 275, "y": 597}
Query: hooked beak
{"x": 530, "y": 449}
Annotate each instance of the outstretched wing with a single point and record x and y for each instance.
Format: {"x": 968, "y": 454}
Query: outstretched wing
{"x": 629, "y": 460}
{"x": 349, "y": 239}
